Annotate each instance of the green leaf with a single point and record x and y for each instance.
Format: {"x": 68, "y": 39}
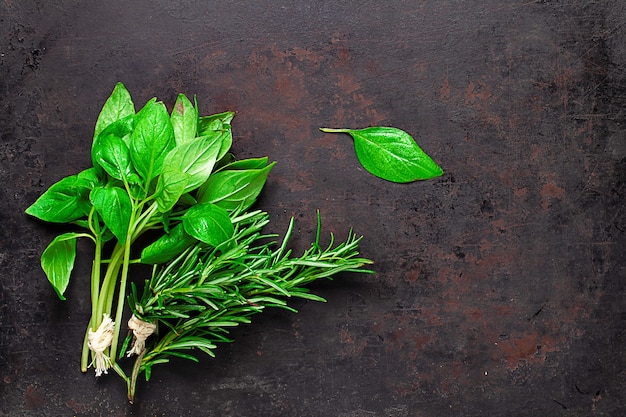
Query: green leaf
{"x": 112, "y": 154}
{"x": 195, "y": 158}
{"x": 151, "y": 140}
{"x": 220, "y": 121}
{"x": 218, "y": 125}
{"x": 224, "y": 138}
{"x": 208, "y": 223}
{"x": 121, "y": 128}
{"x": 184, "y": 120}
{"x": 57, "y": 261}
{"x": 117, "y": 106}
{"x": 61, "y": 203}
{"x": 170, "y": 187}
{"x": 226, "y": 160}
{"x": 167, "y": 246}
{"x": 391, "y": 154}
{"x": 231, "y": 189}
{"x": 87, "y": 179}
{"x": 251, "y": 163}
{"x": 114, "y": 207}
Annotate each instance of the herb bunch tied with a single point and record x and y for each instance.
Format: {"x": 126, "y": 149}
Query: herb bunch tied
{"x": 172, "y": 174}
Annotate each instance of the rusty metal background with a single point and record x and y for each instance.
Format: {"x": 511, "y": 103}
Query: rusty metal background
{"x": 500, "y": 286}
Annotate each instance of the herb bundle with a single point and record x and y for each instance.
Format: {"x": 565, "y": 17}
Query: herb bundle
{"x": 169, "y": 177}
{"x": 171, "y": 174}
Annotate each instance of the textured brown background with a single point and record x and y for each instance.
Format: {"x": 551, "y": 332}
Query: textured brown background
{"x": 501, "y": 285}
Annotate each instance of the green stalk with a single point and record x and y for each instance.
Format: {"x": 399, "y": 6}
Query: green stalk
{"x": 122, "y": 286}
{"x": 108, "y": 283}
{"x": 131, "y": 383}
{"x": 95, "y": 291}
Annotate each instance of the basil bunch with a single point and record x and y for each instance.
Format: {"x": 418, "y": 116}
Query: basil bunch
{"x": 168, "y": 173}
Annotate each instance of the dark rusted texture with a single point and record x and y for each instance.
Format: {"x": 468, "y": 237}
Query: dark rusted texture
{"x": 500, "y": 286}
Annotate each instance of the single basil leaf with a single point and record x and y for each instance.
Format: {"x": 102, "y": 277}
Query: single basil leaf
{"x": 114, "y": 207}
{"x": 195, "y": 158}
{"x": 57, "y": 261}
{"x": 232, "y": 189}
{"x": 213, "y": 122}
{"x": 167, "y": 246}
{"x": 184, "y": 120}
{"x": 61, "y": 203}
{"x": 170, "y": 187}
{"x": 391, "y": 154}
{"x": 208, "y": 223}
{"x": 151, "y": 139}
{"x": 117, "y": 106}
{"x": 112, "y": 154}
{"x": 121, "y": 128}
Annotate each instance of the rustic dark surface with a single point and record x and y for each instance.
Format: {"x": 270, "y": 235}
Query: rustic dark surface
{"x": 501, "y": 285}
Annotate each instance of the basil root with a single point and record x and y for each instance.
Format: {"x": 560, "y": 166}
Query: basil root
{"x": 391, "y": 154}
{"x": 171, "y": 174}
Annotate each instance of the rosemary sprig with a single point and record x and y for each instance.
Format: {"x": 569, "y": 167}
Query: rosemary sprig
{"x": 196, "y": 298}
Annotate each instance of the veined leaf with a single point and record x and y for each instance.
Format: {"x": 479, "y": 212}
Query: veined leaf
{"x": 208, "y": 223}
{"x": 167, "y": 246}
{"x": 391, "y": 154}
{"x": 57, "y": 261}
{"x": 224, "y": 138}
{"x": 184, "y": 120}
{"x": 170, "y": 187}
{"x": 61, "y": 203}
{"x": 151, "y": 139}
{"x": 195, "y": 158}
{"x": 112, "y": 154}
{"x": 114, "y": 207}
{"x": 231, "y": 189}
{"x": 117, "y": 106}
{"x": 121, "y": 128}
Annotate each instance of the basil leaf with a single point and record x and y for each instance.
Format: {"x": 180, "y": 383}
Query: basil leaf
{"x": 184, "y": 120}
{"x": 57, "y": 261}
{"x": 220, "y": 121}
{"x": 167, "y": 246}
{"x": 151, "y": 140}
{"x": 112, "y": 154}
{"x": 195, "y": 158}
{"x": 117, "y": 106}
{"x": 208, "y": 223}
{"x": 170, "y": 187}
{"x": 114, "y": 207}
{"x": 61, "y": 203}
{"x": 87, "y": 179}
{"x": 391, "y": 154}
{"x": 231, "y": 189}
{"x": 218, "y": 125}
